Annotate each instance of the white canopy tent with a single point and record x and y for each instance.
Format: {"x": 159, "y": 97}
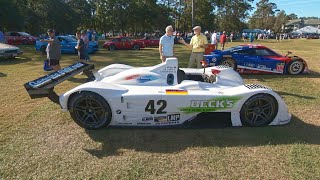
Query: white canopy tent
{"x": 307, "y": 30}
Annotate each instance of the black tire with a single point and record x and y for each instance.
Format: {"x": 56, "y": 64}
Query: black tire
{"x": 89, "y": 110}
{"x": 136, "y": 47}
{"x": 295, "y": 67}
{"x": 112, "y": 47}
{"x": 229, "y": 62}
{"x": 259, "y": 110}
{"x": 43, "y": 49}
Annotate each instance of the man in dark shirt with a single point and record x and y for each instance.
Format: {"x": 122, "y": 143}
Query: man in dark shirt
{"x": 80, "y": 47}
{"x": 53, "y": 50}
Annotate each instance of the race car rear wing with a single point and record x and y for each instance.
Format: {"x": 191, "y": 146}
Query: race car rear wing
{"x": 44, "y": 86}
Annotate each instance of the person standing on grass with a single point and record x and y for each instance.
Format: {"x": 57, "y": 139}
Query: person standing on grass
{"x": 223, "y": 39}
{"x": 251, "y": 38}
{"x": 53, "y": 50}
{"x": 214, "y": 40}
{"x": 80, "y": 47}
{"x": 85, "y": 39}
{"x": 166, "y": 44}
{"x": 198, "y": 44}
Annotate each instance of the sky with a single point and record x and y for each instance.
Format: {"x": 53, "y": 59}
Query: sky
{"x": 302, "y": 8}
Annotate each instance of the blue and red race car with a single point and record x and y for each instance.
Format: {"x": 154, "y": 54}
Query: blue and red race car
{"x": 257, "y": 59}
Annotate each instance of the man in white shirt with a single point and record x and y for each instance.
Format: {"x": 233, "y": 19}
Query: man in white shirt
{"x": 214, "y": 40}
{"x": 166, "y": 44}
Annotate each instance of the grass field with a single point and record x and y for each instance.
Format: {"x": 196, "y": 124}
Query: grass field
{"x": 39, "y": 141}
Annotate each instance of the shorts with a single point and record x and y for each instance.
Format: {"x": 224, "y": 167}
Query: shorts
{"x": 54, "y": 62}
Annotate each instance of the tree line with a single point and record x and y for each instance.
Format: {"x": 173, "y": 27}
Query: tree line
{"x": 138, "y": 16}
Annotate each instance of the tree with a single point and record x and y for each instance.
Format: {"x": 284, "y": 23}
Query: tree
{"x": 232, "y": 14}
{"x": 280, "y": 21}
{"x": 263, "y": 17}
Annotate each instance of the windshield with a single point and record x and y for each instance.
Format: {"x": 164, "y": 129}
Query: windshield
{"x": 24, "y": 34}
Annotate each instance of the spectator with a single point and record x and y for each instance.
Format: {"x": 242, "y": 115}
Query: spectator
{"x": 53, "y": 50}
{"x": 231, "y": 37}
{"x": 223, "y": 39}
{"x": 214, "y": 40}
{"x": 198, "y": 44}
{"x": 166, "y": 44}
{"x": 80, "y": 47}
{"x": 251, "y": 38}
{"x": 85, "y": 39}
{"x": 2, "y": 36}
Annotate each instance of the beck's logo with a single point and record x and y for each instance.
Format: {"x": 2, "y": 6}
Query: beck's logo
{"x": 212, "y": 104}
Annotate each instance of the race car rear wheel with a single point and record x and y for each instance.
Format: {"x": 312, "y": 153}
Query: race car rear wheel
{"x": 229, "y": 62}
{"x": 89, "y": 110}
{"x": 259, "y": 110}
{"x": 136, "y": 47}
{"x": 112, "y": 47}
{"x": 295, "y": 67}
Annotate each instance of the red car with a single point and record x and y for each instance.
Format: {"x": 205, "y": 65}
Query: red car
{"x": 123, "y": 43}
{"x": 20, "y": 38}
{"x": 150, "y": 41}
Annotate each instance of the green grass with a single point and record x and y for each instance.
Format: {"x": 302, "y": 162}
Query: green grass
{"x": 39, "y": 141}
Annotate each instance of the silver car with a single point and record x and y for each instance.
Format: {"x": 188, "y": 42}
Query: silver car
{"x": 9, "y": 51}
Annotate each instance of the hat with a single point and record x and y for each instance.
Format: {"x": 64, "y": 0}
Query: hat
{"x": 50, "y": 31}
{"x": 197, "y": 27}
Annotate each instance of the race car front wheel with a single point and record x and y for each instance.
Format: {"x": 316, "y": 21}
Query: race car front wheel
{"x": 89, "y": 110}
{"x": 295, "y": 67}
{"x": 259, "y": 110}
{"x": 229, "y": 62}
{"x": 136, "y": 47}
{"x": 112, "y": 47}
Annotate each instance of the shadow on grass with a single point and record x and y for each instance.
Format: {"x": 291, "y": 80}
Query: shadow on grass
{"x": 178, "y": 139}
{"x": 264, "y": 77}
{"x": 16, "y": 60}
{"x": 2, "y": 74}
{"x": 281, "y": 93}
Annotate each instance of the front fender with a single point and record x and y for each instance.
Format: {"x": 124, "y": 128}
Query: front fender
{"x": 106, "y": 90}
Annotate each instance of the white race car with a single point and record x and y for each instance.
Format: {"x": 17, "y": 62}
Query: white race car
{"x": 162, "y": 95}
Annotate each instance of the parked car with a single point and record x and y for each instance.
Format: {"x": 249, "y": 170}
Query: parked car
{"x": 161, "y": 95}
{"x": 150, "y": 41}
{"x": 20, "y": 38}
{"x": 123, "y": 43}
{"x": 67, "y": 44}
{"x": 9, "y": 51}
{"x": 257, "y": 59}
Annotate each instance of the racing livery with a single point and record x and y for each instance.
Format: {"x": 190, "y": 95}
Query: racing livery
{"x": 161, "y": 95}
{"x": 257, "y": 59}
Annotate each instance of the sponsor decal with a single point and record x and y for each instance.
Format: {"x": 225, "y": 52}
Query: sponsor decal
{"x": 214, "y": 59}
{"x": 144, "y": 123}
{"x": 143, "y": 79}
{"x": 264, "y": 67}
{"x": 280, "y": 67}
{"x": 169, "y": 119}
{"x": 147, "y": 118}
{"x": 249, "y": 64}
{"x": 176, "y": 92}
{"x": 169, "y": 69}
{"x": 125, "y": 123}
{"x": 135, "y": 76}
{"x": 212, "y": 64}
{"x": 55, "y": 75}
{"x": 214, "y": 104}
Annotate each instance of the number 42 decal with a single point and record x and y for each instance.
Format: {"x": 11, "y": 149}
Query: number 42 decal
{"x": 151, "y": 107}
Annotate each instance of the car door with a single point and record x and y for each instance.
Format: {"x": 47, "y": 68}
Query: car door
{"x": 245, "y": 58}
{"x": 63, "y": 45}
{"x": 267, "y": 61}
